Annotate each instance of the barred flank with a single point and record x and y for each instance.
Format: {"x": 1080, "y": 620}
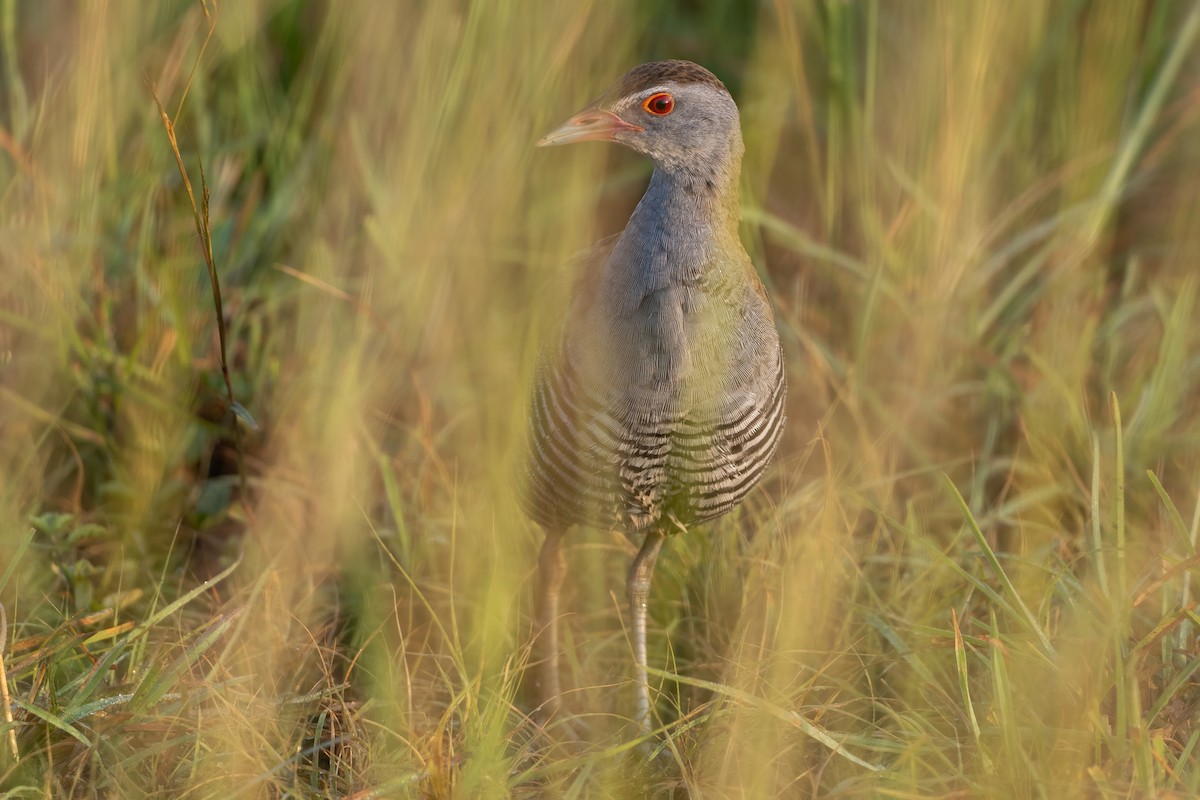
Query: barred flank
{"x": 592, "y": 465}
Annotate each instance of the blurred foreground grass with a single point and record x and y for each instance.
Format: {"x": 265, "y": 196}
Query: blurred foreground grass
{"x": 972, "y": 567}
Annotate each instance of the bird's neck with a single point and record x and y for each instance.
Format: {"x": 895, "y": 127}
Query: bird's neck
{"x": 684, "y": 225}
{"x": 700, "y": 184}
{"x": 703, "y": 192}
{"x": 684, "y": 229}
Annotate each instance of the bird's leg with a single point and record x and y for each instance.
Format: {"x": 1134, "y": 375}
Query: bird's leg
{"x": 552, "y": 568}
{"x": 640, "y": 573}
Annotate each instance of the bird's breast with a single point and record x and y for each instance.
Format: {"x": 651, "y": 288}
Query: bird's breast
{"x": 669, "y": 342}
{"x": 666, "y": 401}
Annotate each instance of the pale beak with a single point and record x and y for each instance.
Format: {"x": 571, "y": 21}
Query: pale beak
{"x": 589, "y": 125}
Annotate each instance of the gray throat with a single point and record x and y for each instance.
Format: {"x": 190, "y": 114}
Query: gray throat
{"x": 684, "y": 227}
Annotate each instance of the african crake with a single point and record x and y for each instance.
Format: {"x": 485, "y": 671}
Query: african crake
{"x": 662, "y": 403}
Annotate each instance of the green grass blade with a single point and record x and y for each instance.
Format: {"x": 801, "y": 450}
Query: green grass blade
{"x": 816, "y": 732}
{"x": 53, "y": 720}
{"x": 964, "y": 681}
{"x": 989, "y": 554}
{"x": 158, "y": 682}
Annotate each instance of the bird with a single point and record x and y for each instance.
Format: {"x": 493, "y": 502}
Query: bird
{"x": 661, "y": 403}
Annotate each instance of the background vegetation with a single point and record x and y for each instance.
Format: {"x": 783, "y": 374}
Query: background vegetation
{"x": 969, "y": 575}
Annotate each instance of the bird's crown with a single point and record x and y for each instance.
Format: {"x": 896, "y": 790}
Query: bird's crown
{"x": 656, "y": 73}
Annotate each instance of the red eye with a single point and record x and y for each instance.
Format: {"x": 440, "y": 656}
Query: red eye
{"x": 659, "y": 104}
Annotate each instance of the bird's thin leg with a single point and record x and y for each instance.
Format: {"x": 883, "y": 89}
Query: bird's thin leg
{"x": 640, "y": 573}
{"x": 552, "y": 568}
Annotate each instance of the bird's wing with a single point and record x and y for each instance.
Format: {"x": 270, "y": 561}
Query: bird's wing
{"x": 563, "y": 444}
{"x": 587, "y": 265}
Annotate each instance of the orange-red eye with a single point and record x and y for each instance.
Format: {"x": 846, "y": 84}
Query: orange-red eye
{"x": 659, "y": 104}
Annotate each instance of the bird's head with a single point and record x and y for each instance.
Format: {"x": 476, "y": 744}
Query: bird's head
{"x": 676, "y": 112}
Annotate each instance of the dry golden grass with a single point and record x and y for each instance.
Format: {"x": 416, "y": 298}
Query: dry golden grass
{"x": 970, "y": 573}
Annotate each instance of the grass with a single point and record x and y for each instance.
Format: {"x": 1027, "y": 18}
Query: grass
{"x": 971, "y": 572}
